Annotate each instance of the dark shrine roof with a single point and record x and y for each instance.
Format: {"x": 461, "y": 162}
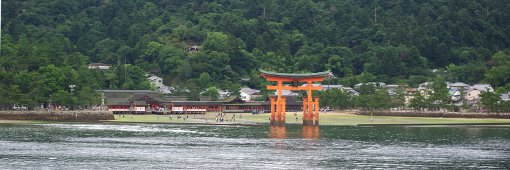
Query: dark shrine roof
{"x": 296, "y": 75}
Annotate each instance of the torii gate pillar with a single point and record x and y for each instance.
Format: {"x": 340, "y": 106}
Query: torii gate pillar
{"x": 310, "y": 104}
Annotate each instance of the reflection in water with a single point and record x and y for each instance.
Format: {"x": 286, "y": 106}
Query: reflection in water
{"x": 278, "y": 132}
{"x": 164, "y": 146}
{"x": 311, "y": 132}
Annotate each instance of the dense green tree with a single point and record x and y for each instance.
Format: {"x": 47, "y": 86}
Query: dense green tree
{"x": 470, "y": 73}
{"x": 419, "y": 102}
{"x": 87, "y": 97}
{"x": 398, "y": 99}
{"x": 439, "y": 96}
{"x": 399, "y": 61}
{"x": 380, "y": 100}
{"x": 64, "y": 98}
{"x": 205, "y": 80}
{"x": 216, "y": 41}
{"x": 499, "y": 74}
{"x": 52, "y": 80}
{"x": 491, "y": 101}
{"x": 336, "y": 98}
{"x": 211, "y": 92}
{"x": 373, "y": 97}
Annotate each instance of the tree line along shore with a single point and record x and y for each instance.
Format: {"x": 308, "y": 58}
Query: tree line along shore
{"x": 48, "y": 47}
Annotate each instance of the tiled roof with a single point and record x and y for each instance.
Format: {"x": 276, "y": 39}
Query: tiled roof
{"x": 459, "y": 84}
{"x": 483, "y": 87}
{"x": 296, "y": 75}
{"x": 98, "y": 64}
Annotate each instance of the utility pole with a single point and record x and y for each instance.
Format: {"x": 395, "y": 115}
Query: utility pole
{"x": 375, "y": 14}
{"x": 125, "y": 71}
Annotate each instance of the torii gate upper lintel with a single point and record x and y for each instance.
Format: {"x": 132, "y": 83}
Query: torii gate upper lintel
{"x": 310, "y": 105}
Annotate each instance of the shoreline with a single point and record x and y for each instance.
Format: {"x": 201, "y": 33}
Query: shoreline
{"x": 294, "y": 124}
{"x": 28, "y": 122}
{"x": 406, "y": 113}
{"x": 44, "y": 115}
{"x": 344, "y": 118}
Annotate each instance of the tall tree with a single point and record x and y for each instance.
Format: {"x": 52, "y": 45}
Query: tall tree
{"x": 499, "y": 74}
{"x": 490, "y": 101}
{"x": 439, "y": 96}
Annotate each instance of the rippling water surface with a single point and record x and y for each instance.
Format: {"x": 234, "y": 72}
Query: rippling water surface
{"x": 162, "y": 146}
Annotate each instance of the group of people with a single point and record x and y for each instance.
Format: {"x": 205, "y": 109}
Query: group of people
{"x": 220, "y": 117}
{"x": 179, "y": 117}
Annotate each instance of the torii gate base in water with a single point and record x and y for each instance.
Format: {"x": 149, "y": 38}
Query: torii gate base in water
{"x": 310, "y": 105}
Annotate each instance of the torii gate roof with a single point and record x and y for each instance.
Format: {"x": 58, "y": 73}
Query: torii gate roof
{"x": 296, "y": 75}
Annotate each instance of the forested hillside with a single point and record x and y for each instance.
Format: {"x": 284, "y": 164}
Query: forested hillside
{"x": 46, "y": 45}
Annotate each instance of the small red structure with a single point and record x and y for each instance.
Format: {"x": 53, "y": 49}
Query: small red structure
{"x": 310, "y": 106}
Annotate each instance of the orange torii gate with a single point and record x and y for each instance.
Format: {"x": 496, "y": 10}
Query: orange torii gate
{"x": 310, "y": 106}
